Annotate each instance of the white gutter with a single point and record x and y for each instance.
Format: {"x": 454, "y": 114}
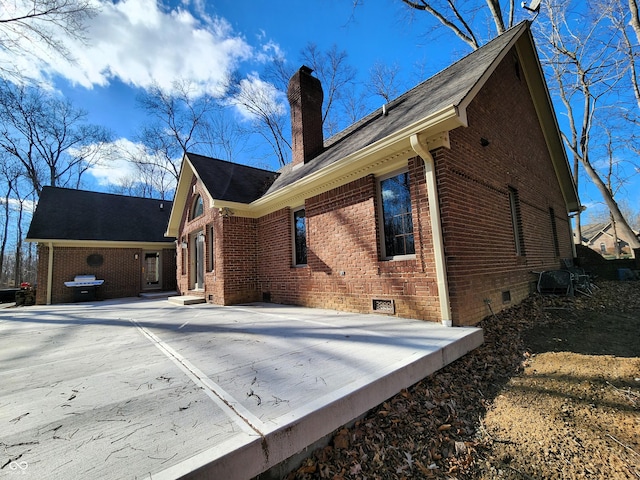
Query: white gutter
{"x": 436, "y": 229}
{"x": 50, "y": 273}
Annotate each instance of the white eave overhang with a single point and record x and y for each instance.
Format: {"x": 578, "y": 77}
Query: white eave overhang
{"x": 102, "y": 243}
{"x": 381, "y": 157}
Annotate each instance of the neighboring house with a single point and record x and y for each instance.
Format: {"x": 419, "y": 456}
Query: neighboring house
{"x": 437, "y": 206}
{"x": 116, "y": 238}
{"x": 601, "y": 238}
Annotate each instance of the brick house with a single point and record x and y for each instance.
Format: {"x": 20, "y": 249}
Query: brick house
{"x": 602, "y": 238}
{"x": 433, "y": 207}
{"x": 116, "y": 238}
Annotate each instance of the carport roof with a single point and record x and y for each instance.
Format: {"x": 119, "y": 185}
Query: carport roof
{"x": 67, "y": 214}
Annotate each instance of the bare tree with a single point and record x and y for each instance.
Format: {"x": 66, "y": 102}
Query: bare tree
{"x": 383, "y": 81}
{"x": 33, "y": 28}
{"x": 585, "y": 71}
{"x": 177, "y": 121}
{"x": 48, "y": 136}
{"x": 10, "y": 174}
{"x": 263, "y": 103}
{"x": 336, "y": 75}
{"x": 463, "y": 17}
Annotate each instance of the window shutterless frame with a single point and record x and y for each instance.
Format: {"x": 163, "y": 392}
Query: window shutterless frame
{"x": 299, "y": 225}
{"x": 395, "y": 216}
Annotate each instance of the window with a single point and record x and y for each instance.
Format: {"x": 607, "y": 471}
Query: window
{"x": 603, "y": 248}
{"x": 397, "y": 222}
{"x": 554, "y": 231}
{"x": 211, "y": 250}
{"x": 516, "y": 221}
{"x": 300, "y": 237}
{"x": 197, "y": 208}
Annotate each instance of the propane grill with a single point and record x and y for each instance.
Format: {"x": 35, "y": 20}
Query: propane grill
{"x": 84, "y": 287}
{"x": 84, "y": 281}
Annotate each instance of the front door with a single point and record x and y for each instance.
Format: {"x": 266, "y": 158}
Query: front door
{"x": 151, "y": 271}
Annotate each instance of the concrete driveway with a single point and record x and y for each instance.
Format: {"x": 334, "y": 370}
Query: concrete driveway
{"x": 146, "y": 389}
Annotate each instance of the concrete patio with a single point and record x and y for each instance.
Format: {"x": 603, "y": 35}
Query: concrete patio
{"x": 147, "y": 389}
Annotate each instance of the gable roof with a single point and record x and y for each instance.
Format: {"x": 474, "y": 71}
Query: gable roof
{"x": 593, "y": 230}
{"x": 223, "y": 181}
{"x": 431, "y": 109}
{"x": 231, "y": 181}
{"x": 445, "y": 94}
{"x": 80, "y": 215}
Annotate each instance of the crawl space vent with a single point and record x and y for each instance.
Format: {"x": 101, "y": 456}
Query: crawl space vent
{"x": 383, "y": 306}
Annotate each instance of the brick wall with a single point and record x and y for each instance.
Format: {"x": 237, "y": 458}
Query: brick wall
{"x": 233, "y": 278}
{"x": 474, "y": 183}
{"x": 120, "y": 270}
{"x": 344, "y": 270}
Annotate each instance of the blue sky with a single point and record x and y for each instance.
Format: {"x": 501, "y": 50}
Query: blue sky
{"x": 132, "y": 43}
{"x": 378, "y": 31}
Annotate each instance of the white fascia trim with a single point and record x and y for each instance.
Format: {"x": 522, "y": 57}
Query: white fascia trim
{"x": 103, "y": 244}
{"x": 395, "y": 145}
{"x": 179, "y": 198}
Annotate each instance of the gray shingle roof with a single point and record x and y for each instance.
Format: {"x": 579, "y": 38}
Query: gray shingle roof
{"x": 66, "y": 214}
{"x": 231, "y": 181}
{"x": 447, "y": 88}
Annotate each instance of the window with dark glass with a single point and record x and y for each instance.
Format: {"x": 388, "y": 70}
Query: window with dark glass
{"x": 396, "y": 216}
{"x": 198, "y": 207}
{"x": 554, "y": 231}
{"x": 300, "y": 237}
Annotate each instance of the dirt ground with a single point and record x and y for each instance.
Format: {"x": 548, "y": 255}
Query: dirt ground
{"x": 554, "y": 393}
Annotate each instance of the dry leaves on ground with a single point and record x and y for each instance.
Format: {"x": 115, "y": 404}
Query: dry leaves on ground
{"x": 477, "y": 418}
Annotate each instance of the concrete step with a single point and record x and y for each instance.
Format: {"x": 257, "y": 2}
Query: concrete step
{"x": 186, "y": 300}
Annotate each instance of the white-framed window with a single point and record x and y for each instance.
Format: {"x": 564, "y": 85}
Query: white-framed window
{"x": 299, "y": 236}
{"x": 197, "y": 208}
{"x": 396, "y": 219}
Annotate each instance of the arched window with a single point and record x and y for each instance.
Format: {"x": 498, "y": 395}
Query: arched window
{"x": 197, "y": 208}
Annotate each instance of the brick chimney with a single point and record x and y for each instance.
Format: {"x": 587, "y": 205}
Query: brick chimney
{"x": 305, "y": 98}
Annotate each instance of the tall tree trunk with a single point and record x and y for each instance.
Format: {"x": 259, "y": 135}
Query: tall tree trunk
{"x": 616, "y": 214}
{"x": 18, "y": 265}
{"x": 5, "y": 229}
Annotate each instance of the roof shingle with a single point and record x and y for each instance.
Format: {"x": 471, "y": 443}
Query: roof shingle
{"x": 66, "y": 214}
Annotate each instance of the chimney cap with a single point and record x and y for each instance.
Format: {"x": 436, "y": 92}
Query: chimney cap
{"x": 305, "y": 69}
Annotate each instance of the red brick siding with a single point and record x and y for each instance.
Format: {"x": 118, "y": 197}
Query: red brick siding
{"x": 343, "y": 268}
{"x": 233, "y": 279}
{"x": 121, "y": 271}
{"x": 473, "y": 183}
{"x": 238, "y": 262}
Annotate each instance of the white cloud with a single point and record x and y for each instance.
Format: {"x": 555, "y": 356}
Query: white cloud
{"x": 256, "y": 97}
{"x": 115, "y": 169}
{"x": 141, "y": 42}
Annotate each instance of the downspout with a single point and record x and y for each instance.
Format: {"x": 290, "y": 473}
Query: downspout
{"x": 436, "y": 229}
{"x": 50, "y": 273}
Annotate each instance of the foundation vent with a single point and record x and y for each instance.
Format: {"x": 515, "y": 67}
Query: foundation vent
{"x": 383, "y": 306}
